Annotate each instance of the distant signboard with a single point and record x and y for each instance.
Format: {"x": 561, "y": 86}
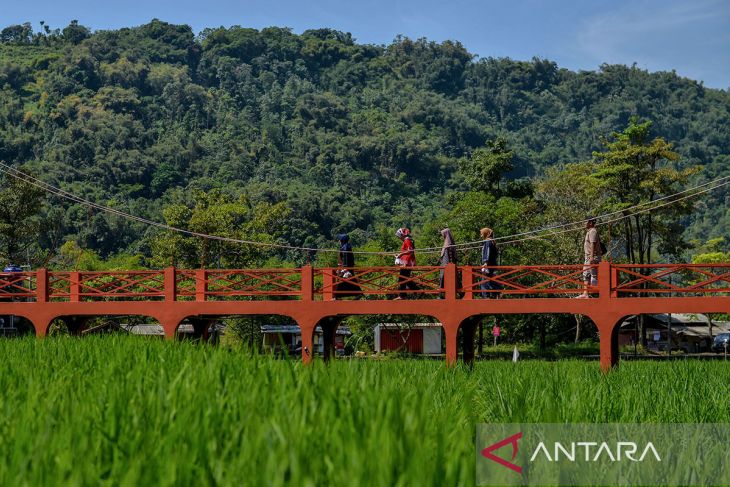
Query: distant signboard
{"x": 495, "y": 331}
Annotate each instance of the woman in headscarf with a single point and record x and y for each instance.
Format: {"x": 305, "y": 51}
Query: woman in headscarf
{"x": 489, "y": 260}
{"x": 448, "y": 253}
{"x": 347, "y": 285}
{"x": 406, "y": 259}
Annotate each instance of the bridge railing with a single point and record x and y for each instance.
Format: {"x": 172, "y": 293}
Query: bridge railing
{"x": 647, "y": 280}
{"x": 78, "y": 286}
{"x": 379, "y": 282}
{"x": 525, "y": 281}
{"x": 233, "y": 284}
{"x": 307, "y": 283}
{"x": 17, "y": 286}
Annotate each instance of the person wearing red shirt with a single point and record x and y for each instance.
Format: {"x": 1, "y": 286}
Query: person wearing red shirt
{"x": 406, "y": 259}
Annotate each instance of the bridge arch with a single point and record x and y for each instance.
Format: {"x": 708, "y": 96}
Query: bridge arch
{"x": 203, "y": 329}
{"x": 76, "y": 324}
{"x": 330, "y": 323}
{"x": 470, "y": 332}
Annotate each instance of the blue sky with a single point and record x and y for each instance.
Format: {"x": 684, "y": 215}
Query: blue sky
{"x": 691, "y": 37}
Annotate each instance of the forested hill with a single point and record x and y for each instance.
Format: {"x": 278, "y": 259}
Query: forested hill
{"x": 350, "y": 136}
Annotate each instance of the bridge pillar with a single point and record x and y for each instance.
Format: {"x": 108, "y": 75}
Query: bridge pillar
{"x": 608, "y": 335}
{"x": 451, "y": 332}
{"x": 329, "y": 331}
{"x": 307, "y": 330}
{"x": 169, "y": 325}
{"x": 200, "y": 327}
{"x": 468, "y": 329}
{"x": 41, "y": 325}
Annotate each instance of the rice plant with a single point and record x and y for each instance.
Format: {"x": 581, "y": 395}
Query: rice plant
{"x": 137, "y": 411}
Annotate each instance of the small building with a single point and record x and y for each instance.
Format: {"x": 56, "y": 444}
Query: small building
{"x": 419, "y": 338}
{"x": 280, "y": 338}
{"x": 690, "y": 333}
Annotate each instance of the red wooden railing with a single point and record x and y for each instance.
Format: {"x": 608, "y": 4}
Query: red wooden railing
{"x": 215, "y": 285}
{"x": 382, "y": 282}
{"x": 670, "y": 279}
{"x": 306, "y": 283}
{"x": 516, "y": 281}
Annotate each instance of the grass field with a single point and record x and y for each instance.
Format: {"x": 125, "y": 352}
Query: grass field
{"x": 136, "y": 411}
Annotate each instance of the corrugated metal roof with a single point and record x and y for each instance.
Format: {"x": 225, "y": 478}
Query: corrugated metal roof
{"x": 268, "y": 329}
{"x": 680, "y": 319}
{"x": 405, "y": 325}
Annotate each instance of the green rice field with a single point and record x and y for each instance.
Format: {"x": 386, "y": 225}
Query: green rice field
{"x": 138, "y": 411}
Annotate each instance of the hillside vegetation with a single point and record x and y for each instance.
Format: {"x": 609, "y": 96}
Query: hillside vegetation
{"x": 341, "y": 136}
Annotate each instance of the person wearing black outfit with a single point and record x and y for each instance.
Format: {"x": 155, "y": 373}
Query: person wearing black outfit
{"x": 347, "y": 283}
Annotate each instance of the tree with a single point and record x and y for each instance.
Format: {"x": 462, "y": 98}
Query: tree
{"x": 567, "y": 194}
{"x": 485, "y": 168}
{"x": 714, "y": 251}
{"x": 20, "y": 204}
{"x": 17, "y": 34}
{"x": 634, "y": 170}
{"x": 352, "y": 136}
{"x": 75, "y": 33}
{"x": 72, "y": 256}
{"x": 220, "y": 214}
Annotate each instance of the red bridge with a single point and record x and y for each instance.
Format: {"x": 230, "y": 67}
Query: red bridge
{"x": 315, "y": 296}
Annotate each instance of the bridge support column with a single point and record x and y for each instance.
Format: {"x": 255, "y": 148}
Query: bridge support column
{"x": 608, "y": 335}
{"x": 468, "y": 329}
{"x": 451, "y": 331}
{"x": 169, "y": 325}
{"x": 329, "y": 332}
{"x": 41, "y": 325}
{"x": 200, "y": 328}
{"x": 307, "y": 330}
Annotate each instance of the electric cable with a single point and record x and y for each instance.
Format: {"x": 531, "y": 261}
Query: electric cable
{"x": 504, "y": 240}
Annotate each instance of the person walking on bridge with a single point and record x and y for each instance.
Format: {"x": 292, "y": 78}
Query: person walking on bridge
{"x": 405, "y": 259}
{"x": 592, "y": 251}
{"x": 489, "y": 260}
{"x": 448, "y": 253}
{"x": 347, "y": 285}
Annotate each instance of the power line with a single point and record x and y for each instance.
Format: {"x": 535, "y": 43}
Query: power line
{"x": 504, "y": 240}
{"x": 605, "y": 215}
{"x": 64, "y": 194}
{"x": 614, "y": 220}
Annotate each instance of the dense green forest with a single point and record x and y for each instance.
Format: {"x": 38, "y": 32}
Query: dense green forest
{"x": 271, "y": 135}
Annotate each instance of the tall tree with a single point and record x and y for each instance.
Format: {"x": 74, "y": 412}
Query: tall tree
{"x": 220, "y": 214}
{"x": 714, "y": 251}
{"x": 486, "y": 167}
{"x": 634, "y": 169}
